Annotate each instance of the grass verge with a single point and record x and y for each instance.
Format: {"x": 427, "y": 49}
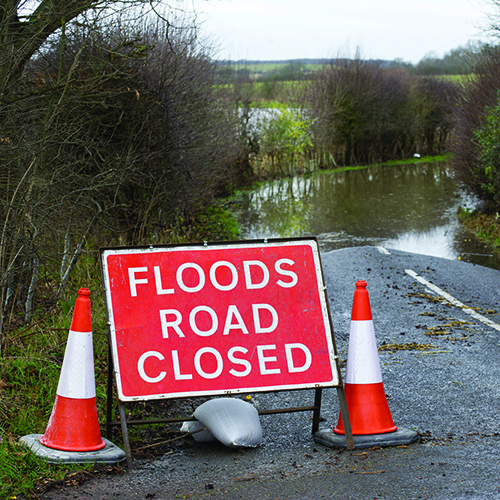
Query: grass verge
{"x": 410, "y": 161}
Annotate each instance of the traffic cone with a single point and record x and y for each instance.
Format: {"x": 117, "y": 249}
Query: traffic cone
{"x": 364, "y": 390}
{"x": 73, "y": 424}
{"x": 369, "y": 414}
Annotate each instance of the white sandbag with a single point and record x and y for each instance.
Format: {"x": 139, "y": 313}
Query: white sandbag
{"x": 202, "y": 436}
{"x": 232, "y": 421}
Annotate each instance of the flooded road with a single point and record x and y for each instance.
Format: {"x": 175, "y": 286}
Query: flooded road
{"x": 412, "y": 208}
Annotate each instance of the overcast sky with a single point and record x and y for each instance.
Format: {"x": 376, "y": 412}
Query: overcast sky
{"x": 382, "y": 29}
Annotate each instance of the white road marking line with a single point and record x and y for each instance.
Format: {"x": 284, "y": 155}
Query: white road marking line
{"x": 452, "y": 300}
{"x": 383, "y": 250}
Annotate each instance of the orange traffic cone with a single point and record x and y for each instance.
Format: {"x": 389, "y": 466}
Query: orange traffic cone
{"x": 369, "y": 414}
{"x": 364, "y": 390}
{"x": 73, "y": 424}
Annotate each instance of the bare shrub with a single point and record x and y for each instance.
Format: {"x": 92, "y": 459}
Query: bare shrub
{"x": 358, "y": 109}
{"x": 367, "y": 114}
{"x": 433, "y": 101}
{"x": 110, "y": 133}
{"x": 477, "y": 96}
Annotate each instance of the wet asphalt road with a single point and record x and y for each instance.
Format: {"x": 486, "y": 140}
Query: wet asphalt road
{"x": 440, "y": 367}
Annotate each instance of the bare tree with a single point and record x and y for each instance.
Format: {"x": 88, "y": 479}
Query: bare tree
{"x": 25, "y": 25}
{"x": 366, "y": 113}
{"x": 112, "y": 132}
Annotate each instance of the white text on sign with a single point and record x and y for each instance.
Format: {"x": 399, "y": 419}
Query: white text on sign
{"x": 265, "y": 356}
{"x": 136, "y": 276}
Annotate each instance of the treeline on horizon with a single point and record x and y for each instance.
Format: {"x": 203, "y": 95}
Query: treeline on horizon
{"x": 459, "y": 61}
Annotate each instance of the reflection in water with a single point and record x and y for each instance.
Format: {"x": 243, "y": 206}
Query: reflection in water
{"x": 405, "y": 207}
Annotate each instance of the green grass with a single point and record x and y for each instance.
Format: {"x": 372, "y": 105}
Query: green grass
{"x": 270, "y": 94}
{"x": 460, "y": 79}
{"x": 20, "y": 470}
{"x": 410, "y": 161}
{"x": 266, "y": 67}
{"x": 265, "y": 170}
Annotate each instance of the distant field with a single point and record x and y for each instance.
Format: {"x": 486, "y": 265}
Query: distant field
{"x": 461, "y": 79}
{"x": 270, "y": 85}
{"x": 264, "y": 67}
{"x": 286, "y": 92}
{"x": 261, "y": 68}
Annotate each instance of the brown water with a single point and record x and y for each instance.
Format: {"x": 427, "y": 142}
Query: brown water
{"x": 405, "y": 207}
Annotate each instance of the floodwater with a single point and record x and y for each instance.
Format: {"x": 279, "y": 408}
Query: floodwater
{"x": 405, "y": 207}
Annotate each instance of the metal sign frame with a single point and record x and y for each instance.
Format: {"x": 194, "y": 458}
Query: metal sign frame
{"x": 121, "y": 308}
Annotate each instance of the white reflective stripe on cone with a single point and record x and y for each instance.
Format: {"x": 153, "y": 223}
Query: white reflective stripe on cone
{"x": 77, "y": 374}
{"x": 363, "y": 366}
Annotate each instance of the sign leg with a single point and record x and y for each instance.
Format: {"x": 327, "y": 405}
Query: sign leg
{"x": 126, "y": 442}
{"x": 109, "y": 395}
{"x": 349, "y": 440}
{"x": 317, "y": 409}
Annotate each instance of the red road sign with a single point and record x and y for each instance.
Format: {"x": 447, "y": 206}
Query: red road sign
{"x": 218, "y": 319}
